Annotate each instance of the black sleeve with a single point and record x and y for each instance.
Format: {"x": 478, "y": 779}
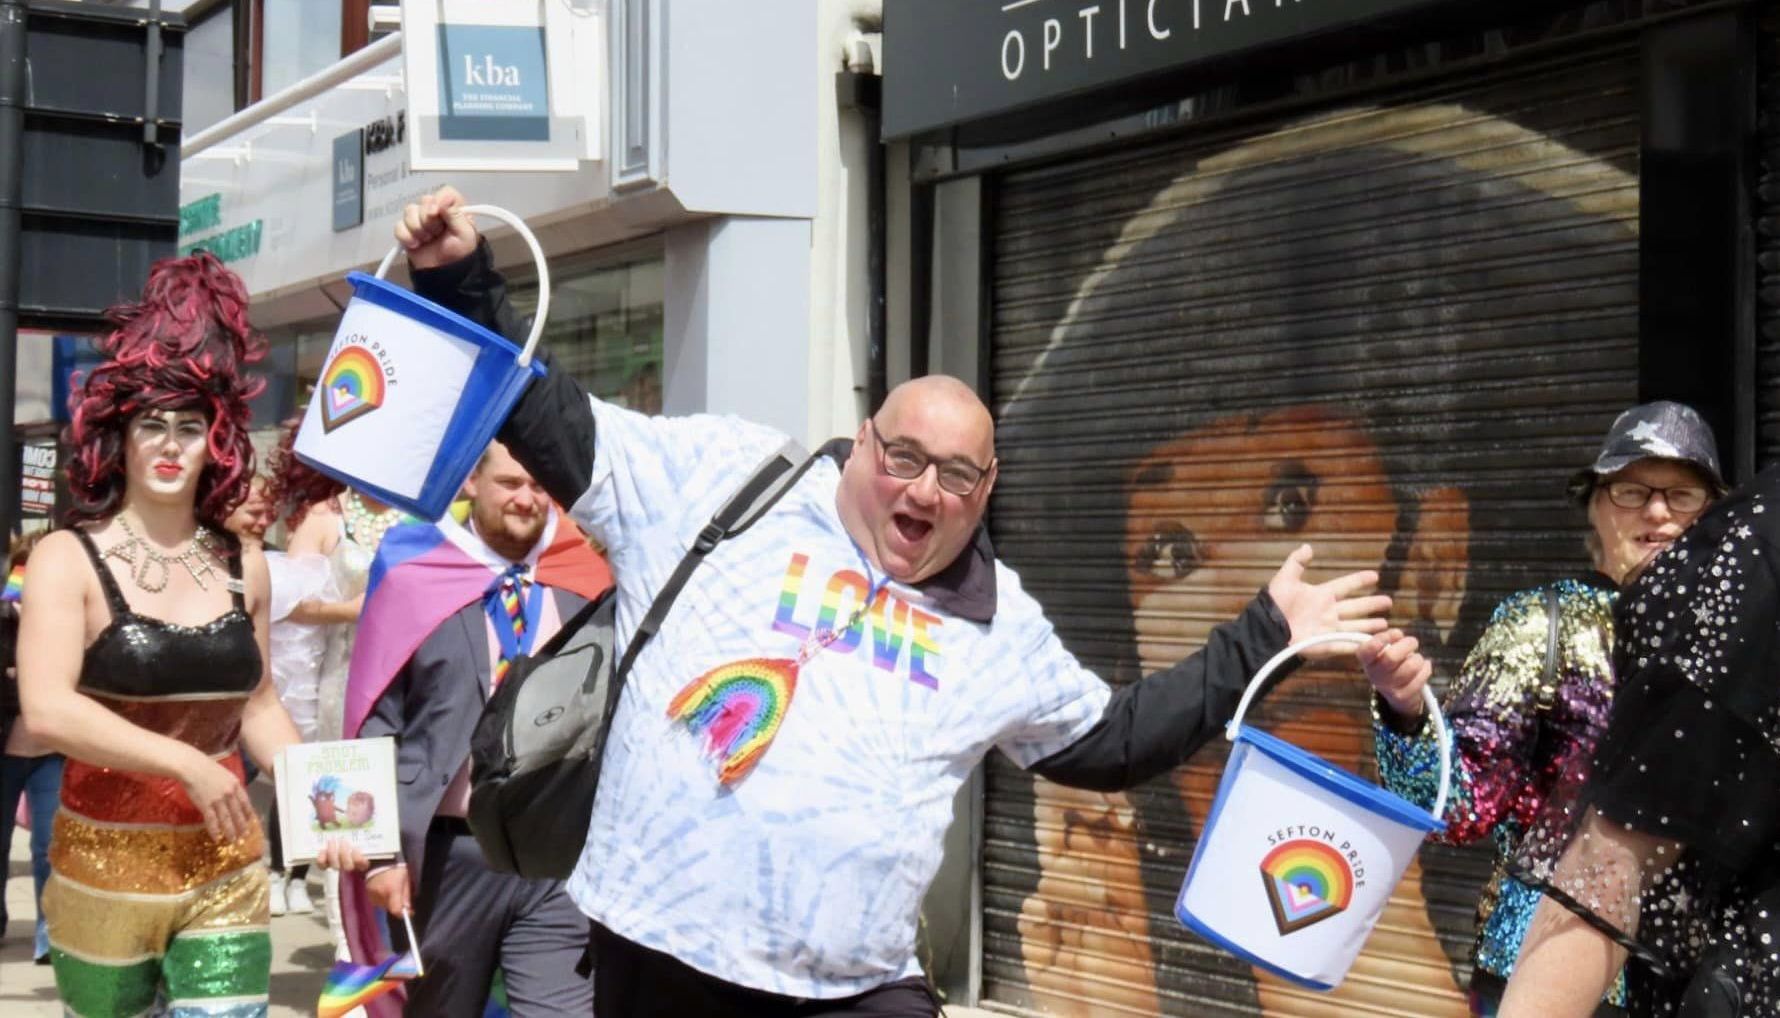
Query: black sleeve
{"x": 1153, "y": 725}
{"x": 550, "y": 430}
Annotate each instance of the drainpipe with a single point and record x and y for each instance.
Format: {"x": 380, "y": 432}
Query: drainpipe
{"x": 860, "y": 88}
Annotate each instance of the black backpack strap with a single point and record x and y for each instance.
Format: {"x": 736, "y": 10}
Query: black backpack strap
{"x": 763, "y": 488}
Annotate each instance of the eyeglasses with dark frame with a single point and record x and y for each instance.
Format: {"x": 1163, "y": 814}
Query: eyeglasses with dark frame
{"x": 1683, "y": 498}
{"x": 905, "y": 462}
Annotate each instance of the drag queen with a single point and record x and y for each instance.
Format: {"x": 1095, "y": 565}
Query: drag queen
{"x": 143, "y": 659}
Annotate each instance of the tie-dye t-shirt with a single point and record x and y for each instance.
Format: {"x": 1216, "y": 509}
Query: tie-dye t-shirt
{"x": 804, "y": 877}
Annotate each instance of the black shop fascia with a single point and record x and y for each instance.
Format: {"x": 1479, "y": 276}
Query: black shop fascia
{"x": 1001, "y": 69}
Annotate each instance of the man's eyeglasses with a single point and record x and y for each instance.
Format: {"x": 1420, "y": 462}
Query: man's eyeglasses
{"x": 905, "y": 462}
{"x": 1687, "y": 498}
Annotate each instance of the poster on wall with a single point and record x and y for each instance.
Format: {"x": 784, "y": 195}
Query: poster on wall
{"x": 500, "y": 84}
{"x": 37, "y": 480}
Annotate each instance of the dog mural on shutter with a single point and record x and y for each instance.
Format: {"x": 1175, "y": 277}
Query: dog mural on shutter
{"x": 1354, "y": 304}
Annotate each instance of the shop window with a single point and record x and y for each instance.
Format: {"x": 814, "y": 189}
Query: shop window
{"x": 209, "y": 76}
{"x": 605, "y": 328}
{"x": 297, "y": 38}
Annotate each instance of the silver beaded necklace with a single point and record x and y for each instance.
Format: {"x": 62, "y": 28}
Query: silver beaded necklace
{"x": 198, "y": 559}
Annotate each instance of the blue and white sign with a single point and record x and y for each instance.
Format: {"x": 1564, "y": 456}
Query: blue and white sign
{"x": 496, "y": 84}
{"x": 493, "y": 83}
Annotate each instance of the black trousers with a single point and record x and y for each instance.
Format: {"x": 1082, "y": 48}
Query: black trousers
{"x": 471, "y": 920}
{"x": 631, "y": 981}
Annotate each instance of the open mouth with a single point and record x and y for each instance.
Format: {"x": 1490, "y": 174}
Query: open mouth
{"x": 909, "y": 528}
{"x": 1649, "y": 547}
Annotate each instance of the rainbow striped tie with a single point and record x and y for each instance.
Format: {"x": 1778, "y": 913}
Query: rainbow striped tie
{"x": 514, "y": 587}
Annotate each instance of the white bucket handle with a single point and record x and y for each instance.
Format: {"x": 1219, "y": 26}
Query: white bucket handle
{"x": 1441, "y": 732}
{"x": 525, "y": 234}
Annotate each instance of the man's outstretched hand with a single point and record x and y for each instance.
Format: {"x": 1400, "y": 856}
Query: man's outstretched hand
{"x": 1337, "y": 605}
{"x": 436, "y": 230}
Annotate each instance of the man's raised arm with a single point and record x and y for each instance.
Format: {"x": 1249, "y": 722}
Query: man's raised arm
{"x": 550, "y": 430}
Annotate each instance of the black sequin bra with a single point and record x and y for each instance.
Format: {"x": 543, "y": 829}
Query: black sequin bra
{"x": 141, "y": 656}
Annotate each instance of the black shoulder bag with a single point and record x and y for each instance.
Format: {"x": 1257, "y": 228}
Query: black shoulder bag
{"x": 535, "y": 754}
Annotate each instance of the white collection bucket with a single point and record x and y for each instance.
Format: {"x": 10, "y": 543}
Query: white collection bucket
{"x": 411, "y": 393}
{"x": 1298, "y": 857}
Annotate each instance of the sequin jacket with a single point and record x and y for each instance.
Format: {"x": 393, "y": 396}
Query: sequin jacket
{"x": 1513, "y": 732}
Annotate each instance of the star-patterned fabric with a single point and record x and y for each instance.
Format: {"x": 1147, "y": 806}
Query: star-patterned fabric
{"x": 1672, "y": 845}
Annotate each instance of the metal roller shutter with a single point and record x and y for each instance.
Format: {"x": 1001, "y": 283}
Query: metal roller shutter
{"x": 1390, "y": 330}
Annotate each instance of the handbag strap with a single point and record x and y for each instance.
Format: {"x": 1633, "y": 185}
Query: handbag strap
{"x": 1553, "y": 606}
{"x": 770, "y": 480}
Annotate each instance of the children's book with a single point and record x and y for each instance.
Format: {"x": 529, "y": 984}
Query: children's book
{"x": 344, "y": 789}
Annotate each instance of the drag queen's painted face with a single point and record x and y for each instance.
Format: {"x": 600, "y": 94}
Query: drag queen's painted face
{"x": 164, "y": 452}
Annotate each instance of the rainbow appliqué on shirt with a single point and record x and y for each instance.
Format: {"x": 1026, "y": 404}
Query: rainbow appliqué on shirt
{"x": 738, "y": 708}
{"x": 1307, "y": 882}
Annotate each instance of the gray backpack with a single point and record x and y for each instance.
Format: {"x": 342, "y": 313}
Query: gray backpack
{"x": 535, "y": 754}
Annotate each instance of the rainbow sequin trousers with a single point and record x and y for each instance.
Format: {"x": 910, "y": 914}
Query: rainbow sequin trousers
{"x": 145, "y": 909}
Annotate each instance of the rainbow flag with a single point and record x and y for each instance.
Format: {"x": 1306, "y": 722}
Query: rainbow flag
{"x": 15, "y": 584}
{"x": 351, "y": 986}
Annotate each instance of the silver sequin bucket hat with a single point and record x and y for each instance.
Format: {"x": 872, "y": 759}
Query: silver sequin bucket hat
{"x": 1660, "y": 430}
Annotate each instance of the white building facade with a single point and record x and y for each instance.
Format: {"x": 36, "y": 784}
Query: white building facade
{"x": 712, "y": 258}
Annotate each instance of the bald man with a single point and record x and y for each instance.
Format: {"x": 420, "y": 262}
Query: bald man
{"x": 789, "y": 883}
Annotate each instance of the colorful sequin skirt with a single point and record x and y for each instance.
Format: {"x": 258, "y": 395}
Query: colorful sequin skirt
{"x": 143, "y": 905}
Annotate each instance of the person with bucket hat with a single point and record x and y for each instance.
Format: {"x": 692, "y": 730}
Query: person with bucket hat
{"x": 788, "y": 879}
{"x": 1532, "y": 697}
{"x": 142, "y": 658}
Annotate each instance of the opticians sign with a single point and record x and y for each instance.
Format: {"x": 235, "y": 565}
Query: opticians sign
{"x": 951, "y": 61}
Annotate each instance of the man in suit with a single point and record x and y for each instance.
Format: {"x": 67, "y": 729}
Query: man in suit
{"x": 469, "y": 918}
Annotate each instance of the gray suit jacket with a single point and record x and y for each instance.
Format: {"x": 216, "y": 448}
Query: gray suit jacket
{"x": 431, "y": 708}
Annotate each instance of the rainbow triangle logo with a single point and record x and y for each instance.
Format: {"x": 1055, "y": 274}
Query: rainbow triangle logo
{"x": 1307, "y": 882}
{"x": 352, "y": 386}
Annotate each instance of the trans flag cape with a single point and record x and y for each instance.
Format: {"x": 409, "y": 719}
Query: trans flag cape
{"x": 423, "y": 574}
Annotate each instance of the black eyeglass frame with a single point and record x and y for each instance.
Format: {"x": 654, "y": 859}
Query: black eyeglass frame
{"x": 1642, "y": 500}
{"x": 885, "y": 445}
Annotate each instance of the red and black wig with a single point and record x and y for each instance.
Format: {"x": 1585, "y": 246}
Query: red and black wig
{"x": 294, "y": 485}
{"x": 185, "y": 346}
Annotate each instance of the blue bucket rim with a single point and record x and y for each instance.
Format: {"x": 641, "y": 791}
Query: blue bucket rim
{"x": 1216, "y": 939}
{"x": 400, "y": 299}
{"x": 1343, "y": 783}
